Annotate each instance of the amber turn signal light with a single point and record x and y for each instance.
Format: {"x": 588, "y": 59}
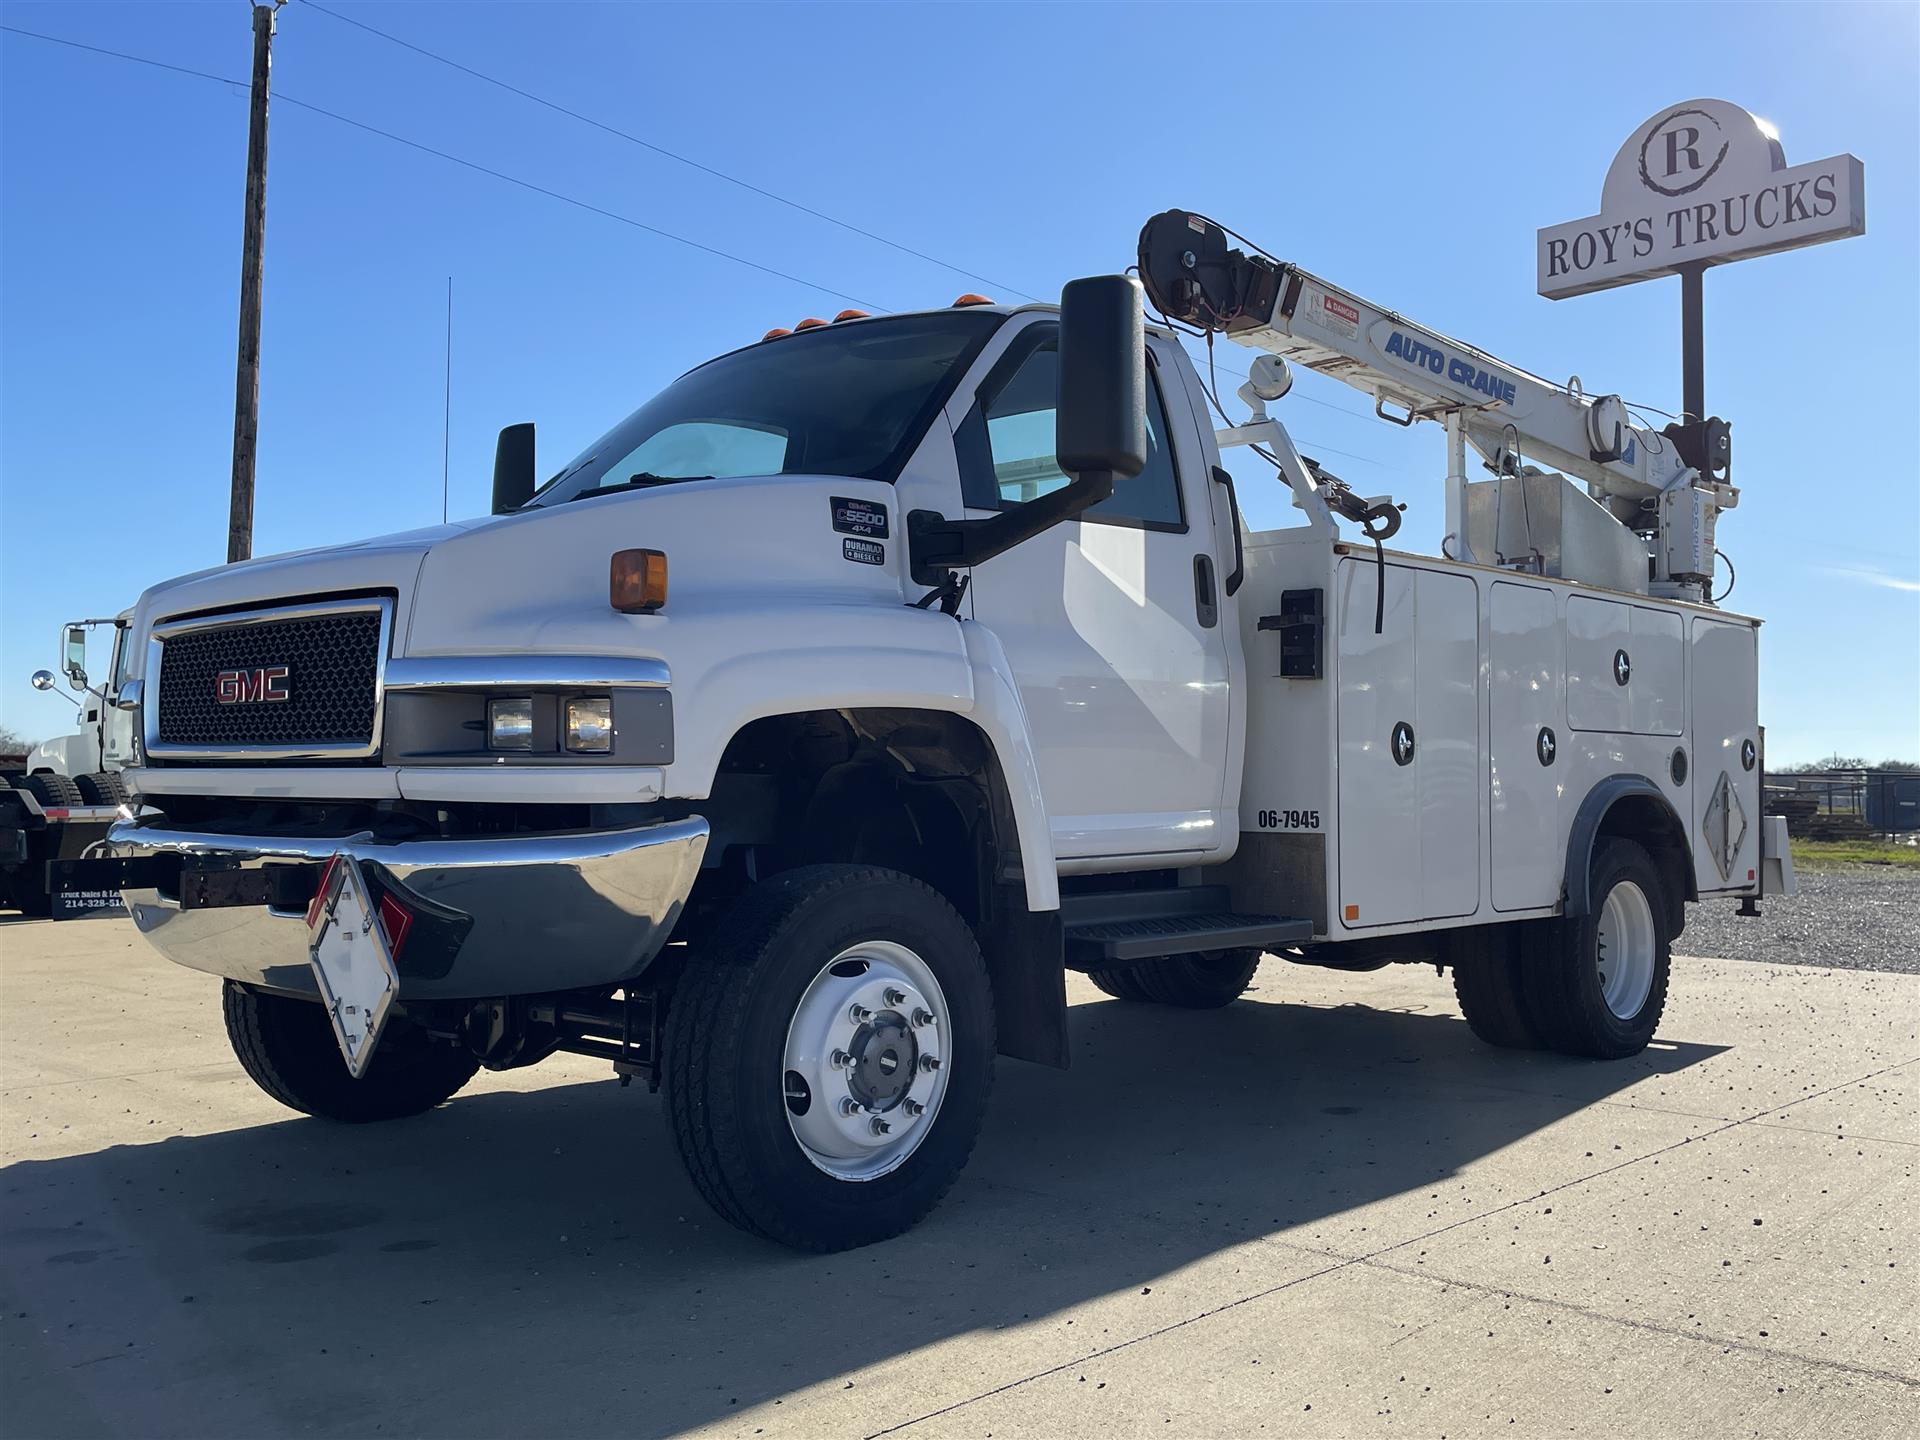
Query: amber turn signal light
{"x": 637, "y": 581}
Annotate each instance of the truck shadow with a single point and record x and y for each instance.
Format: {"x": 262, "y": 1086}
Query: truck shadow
{"x": 536, "y": 1263}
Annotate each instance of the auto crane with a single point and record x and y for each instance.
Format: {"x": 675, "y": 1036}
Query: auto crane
{"x": 1663, "y": 489}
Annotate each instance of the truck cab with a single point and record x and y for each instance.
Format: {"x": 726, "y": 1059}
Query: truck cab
{"x": 69, "y": 789}
{"x": 789, "y": 744}
{"x": 102, "y": 741}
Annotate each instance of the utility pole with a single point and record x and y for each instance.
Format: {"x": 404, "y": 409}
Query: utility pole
{"x": 246, "y": 398}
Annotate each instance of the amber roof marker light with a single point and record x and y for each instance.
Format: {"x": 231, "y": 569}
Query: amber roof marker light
{"x": 637, "y": 581}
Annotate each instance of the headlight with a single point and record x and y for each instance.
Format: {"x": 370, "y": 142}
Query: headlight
{"x": 509, "y": 724}
{"x": 589, "y": 727}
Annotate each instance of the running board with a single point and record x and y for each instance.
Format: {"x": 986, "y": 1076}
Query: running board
{"x": 1098, "y": 944}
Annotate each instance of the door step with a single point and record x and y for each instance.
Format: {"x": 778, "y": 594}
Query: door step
{"x": 1096, "y": 944}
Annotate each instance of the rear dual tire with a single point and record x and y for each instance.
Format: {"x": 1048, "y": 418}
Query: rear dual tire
{"x": 1206, "y": 980}
{"x": 1592, "y": 985}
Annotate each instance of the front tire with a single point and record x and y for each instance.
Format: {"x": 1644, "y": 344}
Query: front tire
{"x": 1206, "y": 980}
{"x": 1597, "y": 983}
{"x": 829, "y": 1056}
{"x": 287, "y": 1047}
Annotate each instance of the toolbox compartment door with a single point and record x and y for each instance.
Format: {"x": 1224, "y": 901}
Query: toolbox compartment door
{"x": 1409, "y": 821}
{"x": 1726, "y": 735}
{"x": 1525, "y": 679}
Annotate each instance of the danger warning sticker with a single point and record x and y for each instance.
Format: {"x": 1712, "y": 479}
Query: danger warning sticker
{"x": 1330, "y": 312}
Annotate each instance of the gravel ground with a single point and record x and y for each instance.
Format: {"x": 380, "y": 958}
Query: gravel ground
{"x": 1852, "y": 917}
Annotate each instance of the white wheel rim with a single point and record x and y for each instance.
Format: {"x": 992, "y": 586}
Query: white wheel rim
{"x": 867, "y": 1061}
{"x": 1624, "y": 948}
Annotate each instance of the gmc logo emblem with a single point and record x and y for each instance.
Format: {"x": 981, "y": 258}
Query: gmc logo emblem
{"x": 261, "y": 685}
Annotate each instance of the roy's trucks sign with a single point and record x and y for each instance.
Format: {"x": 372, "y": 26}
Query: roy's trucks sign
{"x": 1701, "y": 183}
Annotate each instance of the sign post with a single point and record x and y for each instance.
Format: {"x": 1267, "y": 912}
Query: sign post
{"x": 1700, "y": 184}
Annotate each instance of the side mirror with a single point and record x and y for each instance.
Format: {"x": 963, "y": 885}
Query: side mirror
{"x": 1100, "y": 426}
{"x": 513, "y": 468}
{"x": 42, "y": 680}
{"x": 76, "y": 661}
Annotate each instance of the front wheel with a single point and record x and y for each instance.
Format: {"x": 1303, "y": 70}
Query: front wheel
{"x": 1596, "y": 984}
{"x": 829, "y": 1055}
{"x": 287, "y": 1047}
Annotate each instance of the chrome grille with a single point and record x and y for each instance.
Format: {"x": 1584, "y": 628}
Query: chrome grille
{"x": 299, "y": 682}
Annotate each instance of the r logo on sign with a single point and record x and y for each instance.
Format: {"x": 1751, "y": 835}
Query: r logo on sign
{"x": 1673, "y": 149}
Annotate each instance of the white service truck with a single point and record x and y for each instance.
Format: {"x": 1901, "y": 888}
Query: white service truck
{"x": 61, "y": 801}
{"x": 788, "y": 746}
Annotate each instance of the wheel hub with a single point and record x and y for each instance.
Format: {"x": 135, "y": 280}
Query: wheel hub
{"x": 1625, "y": 941}
{"x": 864, "y": 1069}
{"x": 885, "y": 1060}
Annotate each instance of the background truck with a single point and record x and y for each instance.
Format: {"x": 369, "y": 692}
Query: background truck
{"x": 789, "y": 745}
{"x": 69, "y": 790}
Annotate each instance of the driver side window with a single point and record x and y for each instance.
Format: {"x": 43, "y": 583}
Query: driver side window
{"x": 1005, "y": 445}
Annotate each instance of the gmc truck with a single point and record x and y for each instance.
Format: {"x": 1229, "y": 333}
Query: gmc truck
{"x": 789, "y": 745}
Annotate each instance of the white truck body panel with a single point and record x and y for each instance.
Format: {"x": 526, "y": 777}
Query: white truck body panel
{"x": 1473, "y": 829}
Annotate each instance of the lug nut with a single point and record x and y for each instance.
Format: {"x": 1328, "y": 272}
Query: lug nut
{"x": 840, "y": 1059}
{"x": 849, "y": 1105}
{"x": 880, "y": 1127}
{"x": 929, "y": 1063}
{"x": 916, "y": 1109}
{"x": 859, "y": 1014}
{"x": 896, "y": 997}
{"x": 922, "y": 1019}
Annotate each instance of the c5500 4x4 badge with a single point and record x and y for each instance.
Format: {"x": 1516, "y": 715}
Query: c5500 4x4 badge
{"x": 859, "y": 517}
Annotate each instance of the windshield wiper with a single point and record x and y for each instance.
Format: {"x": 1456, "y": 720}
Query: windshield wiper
{"x": 632, "y": 482}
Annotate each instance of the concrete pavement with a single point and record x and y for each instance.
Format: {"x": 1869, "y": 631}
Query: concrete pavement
{"x": 1327, "y": 1210}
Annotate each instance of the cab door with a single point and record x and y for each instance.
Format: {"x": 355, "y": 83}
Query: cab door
{"x": 116, "y": 726}
{"x": 1112, "y": 622}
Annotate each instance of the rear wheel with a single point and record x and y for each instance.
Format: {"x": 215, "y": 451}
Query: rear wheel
{"x": 1205, "y": 980}
{"x": 104, "y": 788}
{"x": 829, "y": 1055}
{"x": 1488, "y": 985}
{"x": 55, "y": 792}
{"x": 287, "y": 1047}
{"x": 1597, "y": 983}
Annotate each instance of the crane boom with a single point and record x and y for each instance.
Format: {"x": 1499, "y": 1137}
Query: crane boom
{"x": 1651, "y": 481}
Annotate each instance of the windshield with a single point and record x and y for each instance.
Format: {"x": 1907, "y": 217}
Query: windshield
{"x": 847, "y": 399}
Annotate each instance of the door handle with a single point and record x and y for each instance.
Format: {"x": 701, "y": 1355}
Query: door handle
{"x": 1205, "y": 607}
{"x": 1221, "y": 477}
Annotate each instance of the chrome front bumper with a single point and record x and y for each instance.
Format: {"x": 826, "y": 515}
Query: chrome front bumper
{"x": 528, "y": 913}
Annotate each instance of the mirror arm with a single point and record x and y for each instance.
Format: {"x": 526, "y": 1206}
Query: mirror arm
{"x": 936, "y": 544}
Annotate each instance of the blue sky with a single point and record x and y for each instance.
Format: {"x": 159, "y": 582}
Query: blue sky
{"x": 1407, "y": 153}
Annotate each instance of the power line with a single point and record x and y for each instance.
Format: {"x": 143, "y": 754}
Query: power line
{"x": 284, "y": 99}
{"x": 659, "y": 149}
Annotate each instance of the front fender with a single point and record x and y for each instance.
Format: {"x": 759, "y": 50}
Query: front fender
{"x": 69, "y": 755}
{"x": 805, "y": 657}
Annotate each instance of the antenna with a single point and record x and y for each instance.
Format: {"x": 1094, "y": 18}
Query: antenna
{"x": 446, "y": 408}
